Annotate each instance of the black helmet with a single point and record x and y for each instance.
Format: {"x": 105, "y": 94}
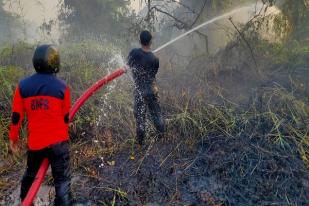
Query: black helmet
{"x": 46, "y": 59}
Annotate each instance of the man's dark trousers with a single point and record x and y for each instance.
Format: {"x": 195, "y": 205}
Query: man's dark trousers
{"x": 146, "y": 98}
{"x": 59, "y": 158}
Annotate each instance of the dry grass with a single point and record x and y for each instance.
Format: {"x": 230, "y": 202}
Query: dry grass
{"x": 215, "y": 154}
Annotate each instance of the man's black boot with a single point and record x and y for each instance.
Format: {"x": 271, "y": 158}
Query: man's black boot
{"x": 65, "y": 200}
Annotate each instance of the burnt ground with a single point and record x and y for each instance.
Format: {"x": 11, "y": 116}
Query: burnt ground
{"x": 214, "y": 171}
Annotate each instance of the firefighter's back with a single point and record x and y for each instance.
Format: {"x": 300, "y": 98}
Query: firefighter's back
{"x": 43, "y": 98}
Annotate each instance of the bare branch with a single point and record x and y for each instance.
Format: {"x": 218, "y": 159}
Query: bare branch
{"x": 247, "y": 43}
{"x": 199, "y": 14}
{"x": 184, "y": 24}
{"x": 184, "y": 5}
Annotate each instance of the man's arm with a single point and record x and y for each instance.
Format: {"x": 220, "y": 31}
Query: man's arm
{"x": 130, "y": 59}
{"x": 17, "y": 118}
{"x": 156, "y": 66}
{"x": 67, "y": 105}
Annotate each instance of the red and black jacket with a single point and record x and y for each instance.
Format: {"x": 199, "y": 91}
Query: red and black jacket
{"x": 46, "y": 102}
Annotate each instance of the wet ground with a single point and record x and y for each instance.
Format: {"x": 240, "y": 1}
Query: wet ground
{"x": 213, "y": 171}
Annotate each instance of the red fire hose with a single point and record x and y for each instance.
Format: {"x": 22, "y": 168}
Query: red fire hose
{"x": 44, "y": 166}
{"x": 89, "y": 92}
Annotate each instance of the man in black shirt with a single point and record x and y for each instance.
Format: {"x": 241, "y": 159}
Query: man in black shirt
{"x": 145, "y": 65}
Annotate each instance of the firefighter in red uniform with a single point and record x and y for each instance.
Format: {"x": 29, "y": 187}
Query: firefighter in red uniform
{"x": 46, "y": 101}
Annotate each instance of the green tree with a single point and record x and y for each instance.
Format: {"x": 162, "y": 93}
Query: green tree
{"x": 94, "y": 17}
{"x": 296, "y": 18}
{"x": 8, "y": 23}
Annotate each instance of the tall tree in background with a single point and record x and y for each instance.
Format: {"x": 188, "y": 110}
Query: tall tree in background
{"x": 96, "y": 17}
{"x": 8, "y": 23}
{"x": 296, "y": 17}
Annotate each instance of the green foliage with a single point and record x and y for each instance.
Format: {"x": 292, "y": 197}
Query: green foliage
{"x": 296, "y": 13}
{"x": 18, "y": 54}
{"x": 9, "y": 77}
{"x": 292, "y": 55}
{"x": 94, "y": 18}
{"x": 292, "y": 22}
{"x": 85, "y": 62}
